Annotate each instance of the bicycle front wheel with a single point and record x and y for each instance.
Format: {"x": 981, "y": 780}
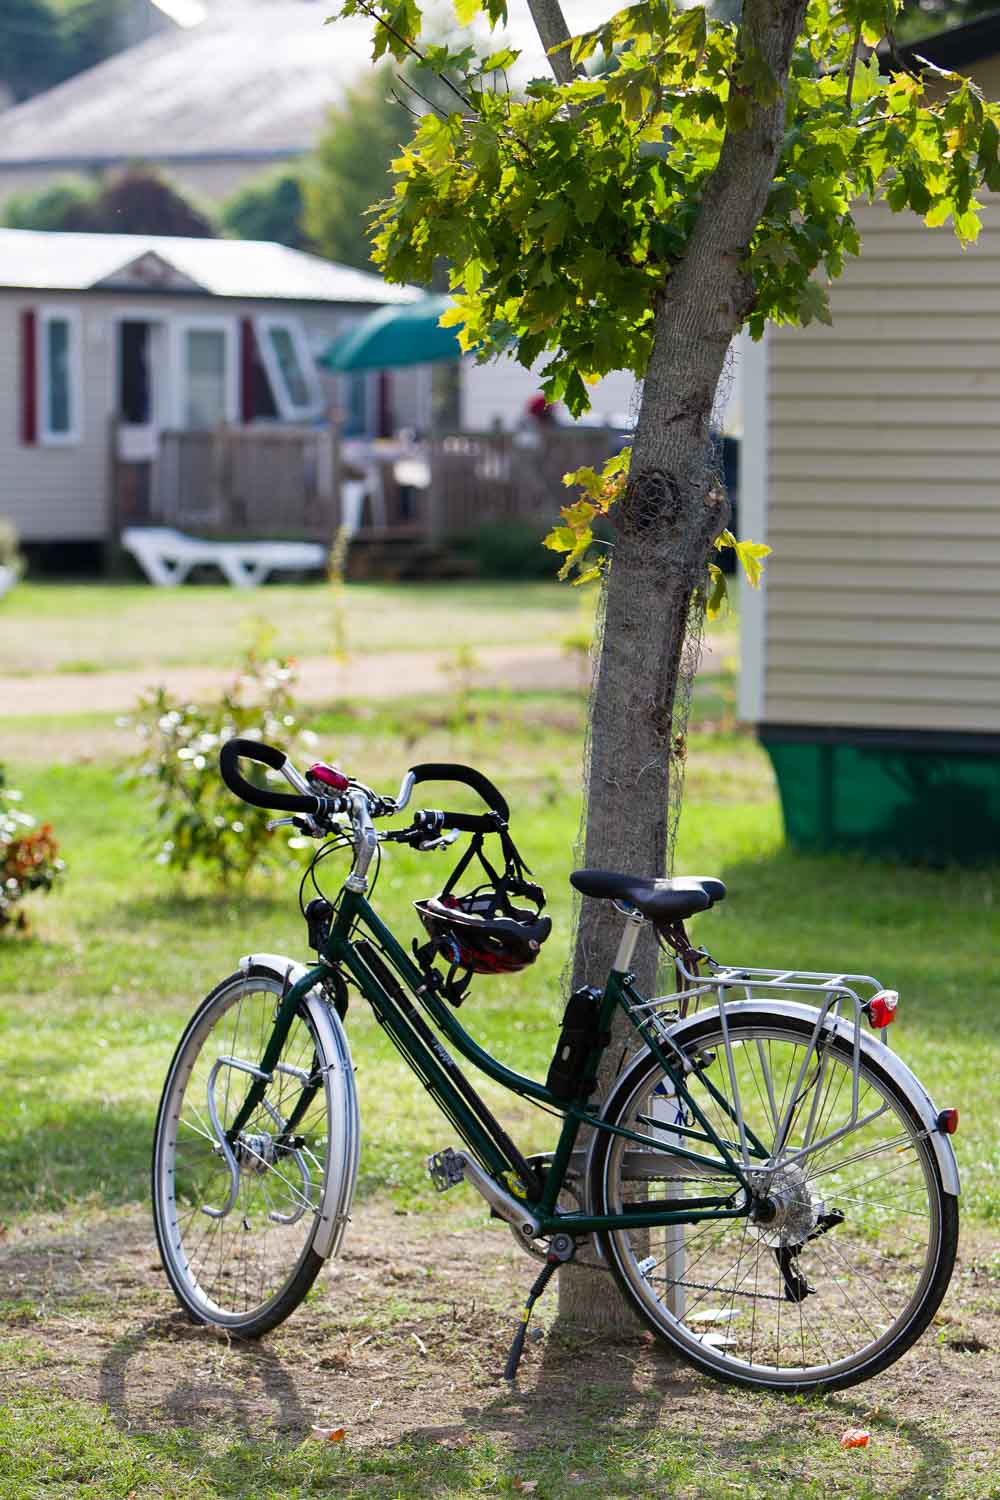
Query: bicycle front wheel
{"x": 849, "y": 1248}
{"x": 240, "y": 1227}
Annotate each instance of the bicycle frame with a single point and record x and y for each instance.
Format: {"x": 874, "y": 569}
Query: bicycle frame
{"x": 383, "y": 987}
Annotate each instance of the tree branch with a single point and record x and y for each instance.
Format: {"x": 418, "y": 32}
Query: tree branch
{"x": 736, "y": 192}
{"x": 550, "y": 24}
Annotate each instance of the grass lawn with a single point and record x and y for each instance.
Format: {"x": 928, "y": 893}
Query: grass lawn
{"x": 111, "y": 1395}
{"x": 89, "y": 627}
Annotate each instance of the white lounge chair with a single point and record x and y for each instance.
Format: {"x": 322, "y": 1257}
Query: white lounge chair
{"x": 8, "y": 578}
{"x": 167, "y": 556}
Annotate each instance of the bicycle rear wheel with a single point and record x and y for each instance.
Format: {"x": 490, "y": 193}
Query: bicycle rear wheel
{"x": 240, "y": 1239}
{"x": 845, "y": 1259}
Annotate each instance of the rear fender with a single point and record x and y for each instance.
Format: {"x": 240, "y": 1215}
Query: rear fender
{"x": 345, "y": 1124}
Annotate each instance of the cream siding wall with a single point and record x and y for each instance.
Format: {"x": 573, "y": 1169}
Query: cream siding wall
{"x": 52, "y": 493}
{"x": 884, "y": 490}
{"x": 499, "y": 392}
{"x": 62, "y": 493}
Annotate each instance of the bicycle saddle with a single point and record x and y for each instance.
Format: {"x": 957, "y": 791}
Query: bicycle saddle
{"x": 660, "y": 900}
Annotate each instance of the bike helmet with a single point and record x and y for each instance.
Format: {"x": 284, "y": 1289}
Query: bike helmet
{"x": 483, "y": 932}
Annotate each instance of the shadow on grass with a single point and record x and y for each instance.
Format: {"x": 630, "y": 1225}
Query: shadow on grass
{"x": 588, "y": 1425}
{"x": 96, "y": 1153}
{"x": 845, "y": 913}
{"x": 207, "y": 907}
{"x": 618, "y": 1431}
{"x": 133, "y": 1394}
{"x": 236, "y": 1419}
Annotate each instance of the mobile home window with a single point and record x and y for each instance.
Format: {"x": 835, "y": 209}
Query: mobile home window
{"x": 290, "y": 368}
{"x": 204, "y": 377}
{"x": 59, "y": 376}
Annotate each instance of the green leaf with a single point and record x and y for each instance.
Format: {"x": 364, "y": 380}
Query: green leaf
{"x": 575, "y": 395}
{"x": 967, "y": 226}
{"x": 505, "y": 58}
{"x": 718, "y": 592}
{"x": 560, "y": 539}
{"x": 813, "y": 302}
{"x": 691, "y": 31}
{"x": 751, "y": 557}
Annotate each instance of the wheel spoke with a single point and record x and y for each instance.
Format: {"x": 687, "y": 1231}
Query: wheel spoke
{"x": 238, "y": 1265}
{"x": 836, "y": 1265}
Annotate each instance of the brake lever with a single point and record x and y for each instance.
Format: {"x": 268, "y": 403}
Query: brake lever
{"x": 304, "y": 825}
{"x": 442, "y": 842}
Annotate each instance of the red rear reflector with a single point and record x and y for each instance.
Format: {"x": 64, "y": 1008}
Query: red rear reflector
{"x": 328, "y": 776}
{"x": 948, "y": 1121}
{"x": 882, "y": 1008}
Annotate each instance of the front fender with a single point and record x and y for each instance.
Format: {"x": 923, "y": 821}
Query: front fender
{"x": 873, "y": 1050}
{"x": 345, "y": 1123}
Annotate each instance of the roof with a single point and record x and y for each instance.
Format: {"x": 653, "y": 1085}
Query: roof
{"x": 251, "y": 82}
{"x": 959, "y": 45}
{"x": 46, "y": 261}
{"x": 254, "y": 79}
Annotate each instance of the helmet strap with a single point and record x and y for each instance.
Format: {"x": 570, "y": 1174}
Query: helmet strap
{"x": 451, "y": 985}
{"x": 511, "y": 882}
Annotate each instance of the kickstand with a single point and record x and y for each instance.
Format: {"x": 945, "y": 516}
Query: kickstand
{"x": 561, "y": 1250}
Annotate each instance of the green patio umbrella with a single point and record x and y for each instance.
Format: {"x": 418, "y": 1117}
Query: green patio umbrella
{"x": 394, "y": 336}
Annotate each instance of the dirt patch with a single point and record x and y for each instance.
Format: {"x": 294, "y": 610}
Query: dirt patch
{"x": 407, "y": 1333}
{"x": 321, "y": 679}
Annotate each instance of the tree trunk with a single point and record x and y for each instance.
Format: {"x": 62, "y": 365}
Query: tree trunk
{"x": 666, "y": 524}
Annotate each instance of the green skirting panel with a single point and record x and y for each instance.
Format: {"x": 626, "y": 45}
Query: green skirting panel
{"x": 895, "y": 794}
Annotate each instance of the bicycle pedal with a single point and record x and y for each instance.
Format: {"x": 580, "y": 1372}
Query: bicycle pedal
{"x": 446, "y": 1169}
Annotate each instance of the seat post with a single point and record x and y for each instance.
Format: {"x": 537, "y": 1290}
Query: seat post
{"x": 634, "y": 923}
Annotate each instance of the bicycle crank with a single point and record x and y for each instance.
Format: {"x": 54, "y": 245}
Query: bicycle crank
{"x": 448, "y": 1168}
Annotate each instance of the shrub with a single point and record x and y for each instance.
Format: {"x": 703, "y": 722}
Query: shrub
{"x": 507, "y": 549}
{"x": 29, "y": 857}
{"x": 199, "y": 823}
{"x": 10, "y": 557}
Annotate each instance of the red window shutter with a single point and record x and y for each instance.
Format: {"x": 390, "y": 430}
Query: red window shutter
{"x": 247, "y": 412}
{"x": 29, "y": 376}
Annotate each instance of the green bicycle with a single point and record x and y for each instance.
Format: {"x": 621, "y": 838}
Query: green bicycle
{"x": 769, "y": 1185}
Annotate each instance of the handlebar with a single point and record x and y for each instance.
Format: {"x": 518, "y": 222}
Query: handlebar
{"x": 466, "y": 776}
{"x": 307, "y": 802}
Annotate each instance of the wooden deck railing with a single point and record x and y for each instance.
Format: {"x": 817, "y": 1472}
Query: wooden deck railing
{"x": 235, "y": 481}
{"x": 263, "y": 481}
{"x": 477, "y": 477}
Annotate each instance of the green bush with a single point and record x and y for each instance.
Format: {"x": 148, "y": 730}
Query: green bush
{"x": 507, "y": 549}
{"x": 199, "y": 824}
{"x": 29, "y": 857}
{"x": 10, "y": 556}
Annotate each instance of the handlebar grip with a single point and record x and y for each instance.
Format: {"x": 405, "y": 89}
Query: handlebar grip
{"x": 266, "y": 755}
{"x": 469, "y": 822}
{"x": 440, "y": 771}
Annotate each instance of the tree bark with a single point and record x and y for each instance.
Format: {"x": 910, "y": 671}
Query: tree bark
{"x": 667, "y": 521}
{"x": 552, "y": 30}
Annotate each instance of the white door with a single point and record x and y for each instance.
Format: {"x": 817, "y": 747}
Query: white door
{"x": 203, "y": 377}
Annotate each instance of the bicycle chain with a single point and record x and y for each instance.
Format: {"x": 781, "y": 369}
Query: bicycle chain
{"x": 700, "y": 1286}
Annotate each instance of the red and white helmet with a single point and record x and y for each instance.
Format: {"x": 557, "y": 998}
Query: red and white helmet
{"x": 482, "y": 932}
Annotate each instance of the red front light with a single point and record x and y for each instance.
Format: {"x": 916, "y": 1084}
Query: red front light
{"x": 882, "y": 1008}
{"x": 328, "y": 776}
{"x": 948, "y": 1121}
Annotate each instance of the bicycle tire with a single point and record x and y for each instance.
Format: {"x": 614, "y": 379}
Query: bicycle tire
{"x": 906, "y": 1229}
{"x": 249, "y": 1268}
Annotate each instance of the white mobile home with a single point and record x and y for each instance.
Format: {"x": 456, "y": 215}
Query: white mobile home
{"x": 107, "y": 342}
{"x": 871, "y": 465}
